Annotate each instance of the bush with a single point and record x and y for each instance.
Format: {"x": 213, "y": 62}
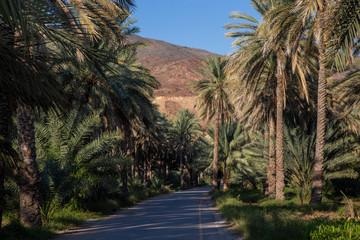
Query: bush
{"x": 173, "y": 179}
{"x": 256, "y": 217}
{"x": 157, "y": 184}
{"x": 15, "y": 231}
{"x": 340, "y": 229}
{"x": 137, "y": 185}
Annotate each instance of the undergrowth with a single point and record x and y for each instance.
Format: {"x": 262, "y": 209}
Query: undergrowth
{"x": 256, "y": 217}
{"x": 74, "y": 214}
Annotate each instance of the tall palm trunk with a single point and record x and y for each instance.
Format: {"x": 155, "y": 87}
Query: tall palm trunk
{"x": 28, "y": 172}
{"x": 148, "y": 171}
{"x": 137, "y": 160}
{"x": 124, "y": 180}
{"x": 187, "y": 170}
{"x": 280, "y": 175}
{"x": 317, "y": 178}
{"x": 215, "y": 184}
{"x": 4, "y": 129}
{"x": 181, "y": 156}
{"x": 226, "y": 177}
{"x": 125, "y": 147}
{"x": 272, "y": 164}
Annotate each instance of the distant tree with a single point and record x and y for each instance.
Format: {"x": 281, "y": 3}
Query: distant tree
{"x": 253, "y": 80}
{"x": 213, "y": 100}
{"x": 232, "y": 138}
{"x": 184, "y": 134}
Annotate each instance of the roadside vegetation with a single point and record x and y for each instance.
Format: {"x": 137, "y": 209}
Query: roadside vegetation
{"x": 300, "y": 179}
{"x": 255, "y": 216}
{"x": 79, "y": 134}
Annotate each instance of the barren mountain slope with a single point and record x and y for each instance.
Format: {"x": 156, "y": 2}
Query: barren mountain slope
{"x": 174, "y": 67}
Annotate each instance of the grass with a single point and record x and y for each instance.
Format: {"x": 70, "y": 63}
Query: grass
{"x": 71, "y": 216}
{"x": 256, "y": 217}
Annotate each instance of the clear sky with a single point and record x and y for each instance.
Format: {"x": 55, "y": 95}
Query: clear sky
{"x": 190, "y": 23}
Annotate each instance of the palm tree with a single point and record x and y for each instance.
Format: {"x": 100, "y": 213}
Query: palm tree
{"x": 335, "y": 25}
{"x": 340, "y": 154}
{"x": 213, "y": 100}
{"x": 94, "y": 20}
{"x": 263, "y": 71}
{"x": 232, "y": 138}
{"x": 52, "y": 30}
{"x": 262, "y": 99}
{"x": 262, "y": 103}
{"x": 294, "y": 69}
{"x": 30, "y": 84}
{"x": 248, "y": 161}
{"x": 72, "y": 143}
{"x": 123, "y": 91}
{"x": 184, "y": 133}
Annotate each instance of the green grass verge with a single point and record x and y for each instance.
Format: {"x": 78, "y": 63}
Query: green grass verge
{"x": 255, "y": 217}
{"x": 63, "y": 218}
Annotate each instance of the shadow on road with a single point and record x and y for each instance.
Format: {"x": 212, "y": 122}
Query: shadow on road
{"x": 180, "y": 215}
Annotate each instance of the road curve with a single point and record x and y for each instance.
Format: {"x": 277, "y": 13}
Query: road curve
{"x": 181, "y": 215}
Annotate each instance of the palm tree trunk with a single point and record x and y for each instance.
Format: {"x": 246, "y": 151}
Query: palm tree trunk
{"x": 317, "y": 178}
{"x": 272, "y": 164}
{"x": 226, "y": 177}
{"x": 181, "y": 156}
{"x": 28, "y": 172}
{"x": 280, "y": 175}
{"x": 148, "y": 173}
{"x": 136, "y": 160}
{"x": 187, "y": 171}
{"x": 4, "y": 129}
{"x": 215, "y": 184}
{"x": 124, "y": 180}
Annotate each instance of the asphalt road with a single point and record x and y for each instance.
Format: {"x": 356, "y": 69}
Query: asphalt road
{"x": 181, "y": 215}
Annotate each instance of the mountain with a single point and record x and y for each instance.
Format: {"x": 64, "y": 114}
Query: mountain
{"x": 174, "y": 67}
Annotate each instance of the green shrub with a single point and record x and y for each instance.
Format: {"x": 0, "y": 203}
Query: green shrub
{"x": 157, "y": 183}
{"x": 15, "y": 231}
{"x": 137, "y": 185}
{"x": 337, "y": 230}
{"x": 173, "y": 179}
{"x": 256, "y": 217}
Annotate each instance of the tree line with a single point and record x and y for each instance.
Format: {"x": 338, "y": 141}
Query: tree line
{"x": 77, "y": 121}
{"x": 282, "y": 84}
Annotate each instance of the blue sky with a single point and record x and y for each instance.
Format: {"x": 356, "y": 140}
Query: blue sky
{"x": 191, "y": 23}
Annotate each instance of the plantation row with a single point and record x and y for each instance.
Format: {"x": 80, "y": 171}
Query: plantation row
{"x": 80, "y": 136}
{"x": 292, "y": 83}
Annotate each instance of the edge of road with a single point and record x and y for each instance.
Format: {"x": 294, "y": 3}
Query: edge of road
{"x": 230, "y": 234}
{"x": 225, "y": 231}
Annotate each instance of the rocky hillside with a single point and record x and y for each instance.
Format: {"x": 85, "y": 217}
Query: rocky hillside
{"x": 174, "y": 67}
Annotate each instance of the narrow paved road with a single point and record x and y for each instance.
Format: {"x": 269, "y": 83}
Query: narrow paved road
{"x": 181, "y": 215}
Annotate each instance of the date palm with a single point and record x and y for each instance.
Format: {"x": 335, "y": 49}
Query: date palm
{"x": 21, "y": 40}
{"x": 232, "y": 138}
{"x": 84, "y": 163}
{"x": 335, "y": 25}
{"x": 213, "y": 101}
{"x": 344, "y": 26}
{"x": 263, "y": 73}
{"x": 254, "y": 95}
{"x": 184, "y": 132}
{"x": 26, "y": 83}
{"x": 123, "y": 91}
